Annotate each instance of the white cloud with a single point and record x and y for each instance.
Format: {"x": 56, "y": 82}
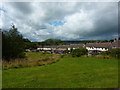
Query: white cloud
{"x": 76, "y": 25}
{"x": 81, "y": 20}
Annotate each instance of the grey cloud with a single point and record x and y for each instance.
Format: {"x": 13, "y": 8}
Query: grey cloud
{"x": 83, "y": 20}
{"x": 54, "y": 11}
{"x": 23, "y": 7}
{"x": 106, "y": 21}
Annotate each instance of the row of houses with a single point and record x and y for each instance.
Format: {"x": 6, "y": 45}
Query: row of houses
{"x": 96, "y": 48}
{"x": 93, "y": 48}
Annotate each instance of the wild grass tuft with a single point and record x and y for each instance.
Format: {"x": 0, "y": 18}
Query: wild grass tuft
{"x": 33, "y": 59}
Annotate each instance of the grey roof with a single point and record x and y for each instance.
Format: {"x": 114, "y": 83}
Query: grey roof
{"x": 108, "y": 45}
{"x": 99, "y": 45}
{"x": 65, "y": 46}
{"x": 116, "y": 43}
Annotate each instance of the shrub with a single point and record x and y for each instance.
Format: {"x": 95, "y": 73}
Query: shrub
{"x": 66, "y": 51}
{"x": 79, "y": 52}
{"x": 105, "y": 53}
{"x": 113, "y": 53}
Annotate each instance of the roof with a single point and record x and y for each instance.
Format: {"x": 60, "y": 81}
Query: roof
{"x": 65, "y": 46}
{"x": 116, "y": 43}
{"x": 99, "y": 45}
{"x": 71, "y": 46}
{"x": 108, "y": 45}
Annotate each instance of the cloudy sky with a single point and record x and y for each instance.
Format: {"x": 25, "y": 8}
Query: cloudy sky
{"x": 39, "y": 21}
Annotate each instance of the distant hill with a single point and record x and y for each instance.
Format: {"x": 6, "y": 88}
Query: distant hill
{"x": 83, "y": 41}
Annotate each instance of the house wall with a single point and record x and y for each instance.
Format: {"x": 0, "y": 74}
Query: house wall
{"x": 94, "y": 48}
{"x": 44, "y": 48}
{"x": 69, "y": 48}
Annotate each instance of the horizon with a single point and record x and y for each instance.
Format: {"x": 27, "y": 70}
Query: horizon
{"x": 78, "y": 40}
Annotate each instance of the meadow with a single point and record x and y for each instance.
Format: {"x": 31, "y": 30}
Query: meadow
{"x": 68, "y": 72}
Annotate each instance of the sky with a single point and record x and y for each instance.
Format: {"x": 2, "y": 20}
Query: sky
{"x": 39, "y": 21}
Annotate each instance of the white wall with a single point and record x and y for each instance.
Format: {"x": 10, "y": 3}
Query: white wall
{"x": 93, "y": 48}
{"x": 43, "y": 48}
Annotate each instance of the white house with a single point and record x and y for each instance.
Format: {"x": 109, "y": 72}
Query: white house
{"x": 96, "y": 48}
{"x": 44, "y": 48}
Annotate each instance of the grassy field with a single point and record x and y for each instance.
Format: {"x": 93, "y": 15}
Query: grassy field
{"x": 69, "y": 72}
{"x": 32, "y": 59}
{"x": 37, "y": 55}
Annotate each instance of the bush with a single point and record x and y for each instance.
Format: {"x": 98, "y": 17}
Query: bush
{"x": 113, "y": 53}
{"x": 105, "y": 53}
{"x": 66, "y": 51}
{"x": 79, "y": 52}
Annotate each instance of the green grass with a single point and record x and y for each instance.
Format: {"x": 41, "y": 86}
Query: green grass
{"x": 37, "y": 55}
{"x": 67, "y": 73}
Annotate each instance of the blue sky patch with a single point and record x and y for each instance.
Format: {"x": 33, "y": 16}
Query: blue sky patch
{"x": 57, "y": 23}
{"x": 2, "y": 9}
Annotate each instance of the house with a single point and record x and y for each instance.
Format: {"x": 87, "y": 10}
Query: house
{"x": 96, "y": 48}
{"x": 27, "y": 50}
{"x": 116, "y": 44}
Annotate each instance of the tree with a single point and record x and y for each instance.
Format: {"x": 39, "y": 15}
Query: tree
{"x": 12, "y": 44}
{"x": 53, "y": 42}
{"x": 79, "y": 52}
{"x": 111, "y": 40}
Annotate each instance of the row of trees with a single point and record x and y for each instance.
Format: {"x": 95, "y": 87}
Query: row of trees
{"x": 30, "y": 45}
